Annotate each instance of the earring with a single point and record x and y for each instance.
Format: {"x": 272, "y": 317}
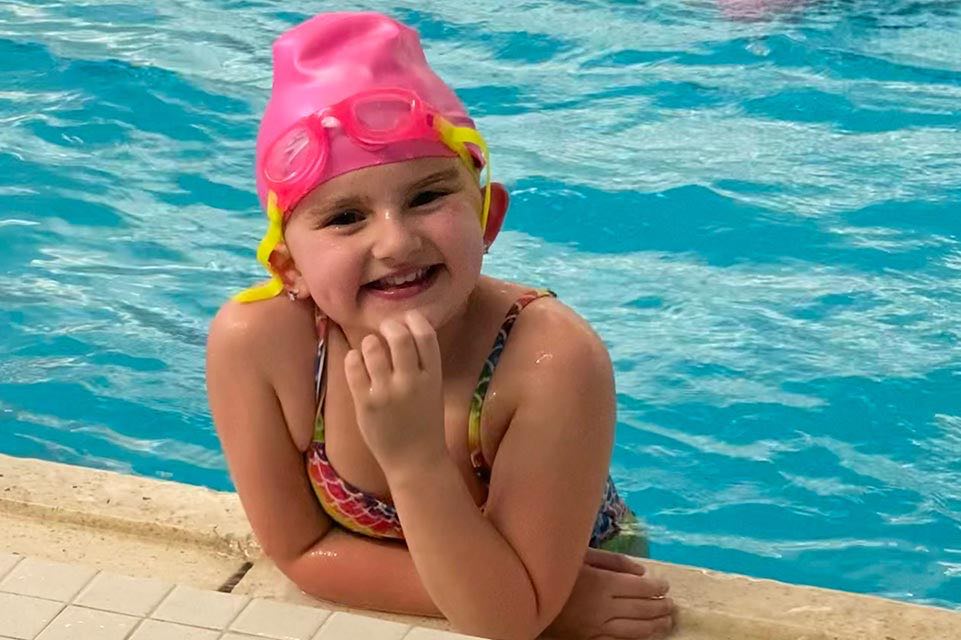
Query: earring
{"x": 292, "y": 294}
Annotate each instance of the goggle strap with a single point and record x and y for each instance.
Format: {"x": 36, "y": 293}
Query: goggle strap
{"x": 458, "y": 138}
{"x": 272, "y": 237}
{"x": 448, "y": 134}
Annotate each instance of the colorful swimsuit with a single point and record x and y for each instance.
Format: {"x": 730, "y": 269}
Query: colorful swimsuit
{"x": 366, "y": 514}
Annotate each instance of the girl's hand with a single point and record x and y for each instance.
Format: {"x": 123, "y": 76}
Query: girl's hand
{"x": 395, "y": 381}
{"x": 614, "y": 599}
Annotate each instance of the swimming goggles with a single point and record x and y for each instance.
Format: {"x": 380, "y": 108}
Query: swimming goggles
{"x": 372, "y": 119}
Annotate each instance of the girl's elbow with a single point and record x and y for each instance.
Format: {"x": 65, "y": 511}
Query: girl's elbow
{"x": 510, "y": 624}
{"x": 505, "y": 630}
{"x": 304, "y": 567}
{"x": 309, "y": 577}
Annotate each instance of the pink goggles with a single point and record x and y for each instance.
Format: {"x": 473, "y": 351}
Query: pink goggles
{"x": 372, "y": 119}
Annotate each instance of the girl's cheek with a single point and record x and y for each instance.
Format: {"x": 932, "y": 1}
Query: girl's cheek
{"x": 461, "y": 221}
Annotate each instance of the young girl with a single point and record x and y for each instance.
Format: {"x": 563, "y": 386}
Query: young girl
{"x": 387, "y": 456}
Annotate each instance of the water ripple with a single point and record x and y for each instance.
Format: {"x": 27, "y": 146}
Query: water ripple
{"x": 756, "y": 211}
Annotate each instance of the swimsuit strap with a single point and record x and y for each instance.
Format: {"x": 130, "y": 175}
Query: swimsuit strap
{"x": 480, "y": 465}
{"x": 320, "y": 377}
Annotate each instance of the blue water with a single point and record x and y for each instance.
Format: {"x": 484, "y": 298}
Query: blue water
{"x": 759, "y": 216}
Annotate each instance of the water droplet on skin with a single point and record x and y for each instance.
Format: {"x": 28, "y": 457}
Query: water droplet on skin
{"x": 324, "y": 553}
{"x": 543, "y": 356}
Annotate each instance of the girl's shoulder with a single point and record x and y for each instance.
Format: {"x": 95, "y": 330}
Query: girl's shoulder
{"x": 546, "y": 318}
{"x": 549, "y": 339}
{"x": 263, "y": 334}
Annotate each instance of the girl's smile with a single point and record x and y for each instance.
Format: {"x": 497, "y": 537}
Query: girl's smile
{"x": 404, "y": 283}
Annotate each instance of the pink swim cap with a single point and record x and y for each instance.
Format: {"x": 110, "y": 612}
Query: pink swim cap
{"x": 334, "y": 56}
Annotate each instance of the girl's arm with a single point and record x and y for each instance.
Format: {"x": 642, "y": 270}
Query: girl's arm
{"x": 269, "y": 474}
{"x": 364, "y": 573}
{"x": 504, "y": 573}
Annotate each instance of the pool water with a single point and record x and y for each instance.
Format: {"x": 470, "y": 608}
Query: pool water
{"x": 759, "y": 214}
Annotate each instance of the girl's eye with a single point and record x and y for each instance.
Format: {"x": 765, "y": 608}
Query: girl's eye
{"x": 426, "y": 197}
{"x": 343, "y": 219}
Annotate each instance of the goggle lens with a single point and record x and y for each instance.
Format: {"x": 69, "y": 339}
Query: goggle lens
{"x": 379, "y": 120}
{"x": 292, "y": 156}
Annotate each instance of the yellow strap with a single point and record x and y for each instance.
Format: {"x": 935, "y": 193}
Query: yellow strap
{"x": 457, "y": 139}
{"x": 272, "y": 237}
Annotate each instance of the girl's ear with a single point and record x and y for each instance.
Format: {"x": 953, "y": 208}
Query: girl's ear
{"x": 500, "y": 200}
{"x": 283, "y": 265}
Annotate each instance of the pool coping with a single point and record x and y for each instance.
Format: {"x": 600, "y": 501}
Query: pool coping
{"x": 201, "y": 536}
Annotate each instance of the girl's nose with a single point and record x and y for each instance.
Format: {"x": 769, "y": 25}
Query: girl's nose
{"x": 395, "y": 240}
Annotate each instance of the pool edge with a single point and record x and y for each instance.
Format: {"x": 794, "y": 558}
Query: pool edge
{"x": 202, "y": 536}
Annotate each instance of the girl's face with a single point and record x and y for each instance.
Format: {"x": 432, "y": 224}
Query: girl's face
{"x": 379, "y": 241}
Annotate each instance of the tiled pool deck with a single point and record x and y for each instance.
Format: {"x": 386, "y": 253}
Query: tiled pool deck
{"x": 44, "y": 600}
{"x": 88, "y": 554}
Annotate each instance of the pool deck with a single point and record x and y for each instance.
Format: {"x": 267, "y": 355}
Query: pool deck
{"x": 90, "y": 554}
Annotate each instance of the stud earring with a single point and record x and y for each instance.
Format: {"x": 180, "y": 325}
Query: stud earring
{"x": 292, "y": 294}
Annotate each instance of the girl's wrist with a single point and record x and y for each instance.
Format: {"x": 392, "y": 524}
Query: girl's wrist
{"x": 414, "y": 471}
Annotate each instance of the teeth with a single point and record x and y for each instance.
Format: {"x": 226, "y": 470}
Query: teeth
{"x": 401, "y": 280}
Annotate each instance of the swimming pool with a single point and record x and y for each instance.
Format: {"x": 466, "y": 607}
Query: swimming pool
{"x": 759, "y": 216}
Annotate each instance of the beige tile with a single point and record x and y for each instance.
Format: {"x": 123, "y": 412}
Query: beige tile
{"x": 77, "y": 623}
{"x": 123, "y": 594}
{"x": 279, "y": 620}
{"x": 238, "y": 636}
{"x": 7, "y": 561}
{"x": 23, "y": 617}
{"x": 199, "y": 608}
{"x": 342, "y": 625}
{"x": 436, "y": 634}
{"x": 156, "y": 630}
{"x": 45, "y": 579}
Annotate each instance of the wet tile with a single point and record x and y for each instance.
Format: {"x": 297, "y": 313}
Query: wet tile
{"x": 23, "y": 617}
{"x": 77, "y": 623}
{"x": 198, "y": 608}
{"x": 269, "y": 619}
{"x": 45, "y": 579}
{"x": 123, "y": 594}
{"x": 156, "y": 630}
{"x": 7, "y": 561}
{"x": 342, "y": 625}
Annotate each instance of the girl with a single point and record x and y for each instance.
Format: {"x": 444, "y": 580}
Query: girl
{"x": 386, "y": 455}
